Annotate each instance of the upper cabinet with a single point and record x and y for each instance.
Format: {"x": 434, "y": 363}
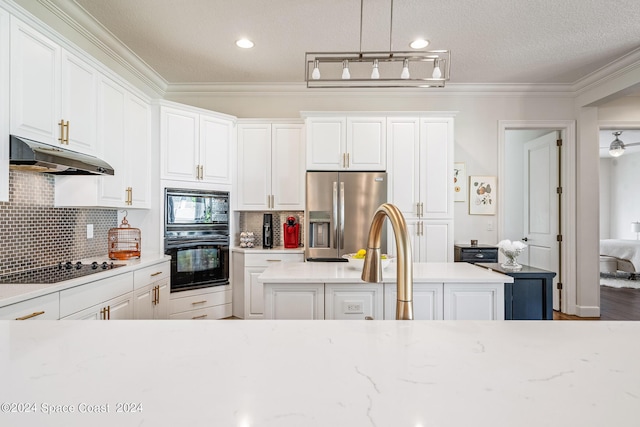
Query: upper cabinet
{"x": 420, "y": 159}
{"x": 349, "y": 143}
{"x": 270, "y": 166}
{"x": 195, "y": 145}
{"x": 124, "y": 123}
{"x": 53, "y": 92}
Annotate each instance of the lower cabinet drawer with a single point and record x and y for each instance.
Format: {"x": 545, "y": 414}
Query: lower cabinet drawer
{"x": 81, "y": 297}
{"x": 209, "y": 313}
{"x": 486, "y": 255}
{"x": 196, "y": 302}
{"x": 45, "y": 307}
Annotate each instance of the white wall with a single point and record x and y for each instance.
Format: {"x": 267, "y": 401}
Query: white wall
{"x": 624, "y": 195}
{"x": 605, "y": 198}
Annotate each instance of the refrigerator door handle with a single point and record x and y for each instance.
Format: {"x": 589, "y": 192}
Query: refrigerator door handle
{"x": 335, "y": 214}
{"x": 342, "y": 215}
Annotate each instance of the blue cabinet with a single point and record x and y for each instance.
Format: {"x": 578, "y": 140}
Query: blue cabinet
{"x": 530, "y": 296}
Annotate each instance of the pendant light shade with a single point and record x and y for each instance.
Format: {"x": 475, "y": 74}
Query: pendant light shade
{"x": 378, "y": 68}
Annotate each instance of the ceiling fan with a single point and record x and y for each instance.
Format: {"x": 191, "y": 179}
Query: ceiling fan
{"x": 616, "y": 148}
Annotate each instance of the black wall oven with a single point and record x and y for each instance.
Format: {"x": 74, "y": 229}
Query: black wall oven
{"x": 196, "y": 236}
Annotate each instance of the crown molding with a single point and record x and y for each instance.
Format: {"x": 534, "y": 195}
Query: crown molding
{"x": 620, "y": 67}
{"x": 453, "y": 89}
{"x": 85, "y": 24}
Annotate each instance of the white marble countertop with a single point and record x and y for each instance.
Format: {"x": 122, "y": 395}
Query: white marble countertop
{"x": 13, "y": 293}
{"x": 341, "y": 272}
{"x": 331, "y": 373}
{"x": 260, "y": 250}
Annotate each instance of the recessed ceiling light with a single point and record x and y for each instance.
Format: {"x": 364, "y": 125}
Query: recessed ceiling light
{"x": 244, "y": 43}
{"x": 419, "y": 43}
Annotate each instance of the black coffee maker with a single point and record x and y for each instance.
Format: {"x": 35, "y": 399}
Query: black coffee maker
{"x": 267, "y": 231}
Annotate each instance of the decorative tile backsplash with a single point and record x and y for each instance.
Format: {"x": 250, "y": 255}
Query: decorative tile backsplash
{"x": 35, "y": 234}
{"x": 252, "y": 221}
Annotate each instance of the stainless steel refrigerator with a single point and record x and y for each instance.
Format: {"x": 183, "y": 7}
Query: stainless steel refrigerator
{"x": 339, "y": 209}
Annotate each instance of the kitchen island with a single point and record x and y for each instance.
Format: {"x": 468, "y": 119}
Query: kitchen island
{"x": 331, "y": 373}
{"x": 330, "y": 290}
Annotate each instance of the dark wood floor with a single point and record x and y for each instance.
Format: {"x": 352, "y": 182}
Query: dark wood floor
{"x": 615, "y": 304}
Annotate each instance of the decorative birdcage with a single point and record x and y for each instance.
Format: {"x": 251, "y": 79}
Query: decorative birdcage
{"x": 125, "y": 241}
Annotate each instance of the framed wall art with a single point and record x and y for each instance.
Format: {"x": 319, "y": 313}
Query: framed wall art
{"x": 459, "y": 182}
{"x": 482, "y": 195}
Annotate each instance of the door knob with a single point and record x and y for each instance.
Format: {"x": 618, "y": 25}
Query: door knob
{"x": 524, "y": 239}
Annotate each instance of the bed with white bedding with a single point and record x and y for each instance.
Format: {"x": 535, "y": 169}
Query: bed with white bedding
{"x": 625, "y": 252}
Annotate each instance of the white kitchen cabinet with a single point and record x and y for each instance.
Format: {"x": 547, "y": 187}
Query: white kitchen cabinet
{"x": 270, "y": 166}
{"x": 354, "y": 143}
{"x": 420, "y": 156}
{"x": 249, "y": 296}
{"x": 468, "y": 301}
{"x": 103, "y": 299}
{"x": 195, "y": 145}
{"x": 118, "y": 308}
{"x": 124, "y": 123}
{"x": 349, "y": 301}
{"x": 294, "y": 302}
{"x": 4, "y": 105}
{"x": 45, "y": 307}
{"x": 151, "y": 291}
{"x": 427, "y": 301}
{"x": 431, "y": 240}
{"x": 201, "y": 304}
{"x": 53, "y": 92}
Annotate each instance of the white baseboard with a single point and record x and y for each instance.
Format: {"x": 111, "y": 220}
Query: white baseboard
{"x": 587, "y": 311}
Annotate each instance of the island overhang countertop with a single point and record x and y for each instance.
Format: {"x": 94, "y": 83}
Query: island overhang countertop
{"x": 342, "y": 272}
{"x": 331, "y": 373}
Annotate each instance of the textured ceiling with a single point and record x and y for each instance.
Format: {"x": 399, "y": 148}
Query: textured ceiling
{"x": 492, "y": 41}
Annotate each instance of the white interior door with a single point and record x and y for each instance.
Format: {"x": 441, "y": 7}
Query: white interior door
{"x": 541, "y": 205}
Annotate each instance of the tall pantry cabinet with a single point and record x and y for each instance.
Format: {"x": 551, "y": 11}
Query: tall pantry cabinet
{"x": 420, "y": 167}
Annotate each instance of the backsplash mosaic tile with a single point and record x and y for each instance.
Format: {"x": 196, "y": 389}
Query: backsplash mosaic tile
{"x": 35, "y": 234}
{"x": 252, "y": 221}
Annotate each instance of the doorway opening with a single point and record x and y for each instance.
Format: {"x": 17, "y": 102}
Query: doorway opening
{"x": 537, "y": 198}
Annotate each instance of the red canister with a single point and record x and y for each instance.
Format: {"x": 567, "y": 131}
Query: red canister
{"x": 290, "y": 233}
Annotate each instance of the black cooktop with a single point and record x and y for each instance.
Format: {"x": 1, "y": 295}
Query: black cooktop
{"x": 57, "y": 273}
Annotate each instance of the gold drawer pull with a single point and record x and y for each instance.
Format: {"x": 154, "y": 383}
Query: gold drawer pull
{"x": 274, "y": 260}
{"x": 155, "y": 274}
{"x": 200, "y": 317}
{"x": 198, "y": 302}
{"x": 29, "y": 316}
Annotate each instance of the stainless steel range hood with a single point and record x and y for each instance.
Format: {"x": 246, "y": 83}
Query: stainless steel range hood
{"x": 29, "y": 155}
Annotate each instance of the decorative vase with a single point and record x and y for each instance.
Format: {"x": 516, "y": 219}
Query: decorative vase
{"x": 512, "y": 260}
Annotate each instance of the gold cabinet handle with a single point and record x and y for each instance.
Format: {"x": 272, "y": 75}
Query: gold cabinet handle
{"x": 67, "y": 137}
{"x": 156, "y": 273}
{"x": 199, "y": 302}
{"x": 199, "y": 317}
{"x": 103, "y": 313}
{"x": 421, "y": 209}
{"x": 348, "y": 160}
{"x": 61, "y": 124}
{"x": 29, "y": 316}
{"x": 158, "y": 293}
{"x": 201, "y": 172}
{"x": 274, "y": 260}
{"x": 108, "y": 312}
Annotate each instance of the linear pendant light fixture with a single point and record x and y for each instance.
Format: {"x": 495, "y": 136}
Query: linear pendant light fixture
{"x": 377, "y": 69}
{"x": 616, "y": 148}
